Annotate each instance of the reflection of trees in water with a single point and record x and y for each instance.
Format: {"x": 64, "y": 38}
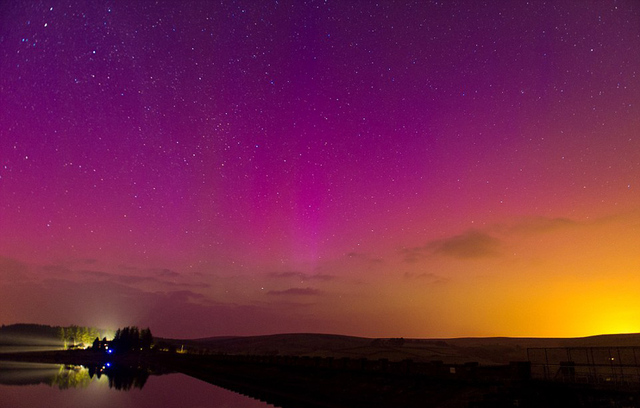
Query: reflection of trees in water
{"x": 127, "y": 378}
{"x": 71, "y": 377}
{"x": 120, "y": 378}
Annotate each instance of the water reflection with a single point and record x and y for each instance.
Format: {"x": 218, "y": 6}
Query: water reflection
{"x": 14, "y": 373}
{"x": 69, "y": 376}
{"x": 28, "y": 385}
{"x": 122, "y": 378}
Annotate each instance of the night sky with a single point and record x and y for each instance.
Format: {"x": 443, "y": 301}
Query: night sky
{"x": 416, "y": 169}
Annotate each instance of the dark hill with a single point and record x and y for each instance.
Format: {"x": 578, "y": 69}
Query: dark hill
{"x": 490, "y": 350}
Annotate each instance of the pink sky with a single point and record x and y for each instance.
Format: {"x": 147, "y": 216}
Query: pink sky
{"x": 399, "y": 169}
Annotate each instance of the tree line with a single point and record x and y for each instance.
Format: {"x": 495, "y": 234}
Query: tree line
{"x": 129, "y": 338}
{"x": 76, "y": 336}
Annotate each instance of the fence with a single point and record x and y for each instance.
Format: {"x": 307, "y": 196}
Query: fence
{"x": 617, "y": 366}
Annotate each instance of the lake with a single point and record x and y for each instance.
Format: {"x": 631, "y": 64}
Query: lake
{"x": 31, "y": 385}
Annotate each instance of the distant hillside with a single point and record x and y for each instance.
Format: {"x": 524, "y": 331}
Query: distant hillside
{"x": 489, "y": 350}
{"x": 494, "y": 350}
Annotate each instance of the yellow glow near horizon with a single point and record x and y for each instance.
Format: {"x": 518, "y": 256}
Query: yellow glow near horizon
{"x": 552, "y": 298}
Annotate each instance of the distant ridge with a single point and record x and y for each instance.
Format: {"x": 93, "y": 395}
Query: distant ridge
{"x": 485, "y": 350}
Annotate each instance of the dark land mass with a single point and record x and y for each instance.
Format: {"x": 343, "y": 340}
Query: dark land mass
{"x": 320, "y": 370}
{"x": 305, "y": 382}
{"x": 483, "y": 350}
{"x": 486, "y": 351}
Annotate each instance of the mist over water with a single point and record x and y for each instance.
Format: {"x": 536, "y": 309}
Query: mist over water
{"x": 25, "y": 349}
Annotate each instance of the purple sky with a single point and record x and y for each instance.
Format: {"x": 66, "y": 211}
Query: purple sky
{"x": 342, "y": 166}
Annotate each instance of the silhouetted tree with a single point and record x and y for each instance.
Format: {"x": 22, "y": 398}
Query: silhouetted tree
{"x": 146, "y": 339}
{"x": 130, "y": 338}
{"x": 397, "y": 341}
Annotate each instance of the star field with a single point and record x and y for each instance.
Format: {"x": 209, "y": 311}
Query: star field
{"x": 407, "y": 152}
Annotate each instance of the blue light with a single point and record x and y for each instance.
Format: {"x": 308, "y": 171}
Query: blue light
{"x": 109, "y": 351}
{"x": 108, "y": 364}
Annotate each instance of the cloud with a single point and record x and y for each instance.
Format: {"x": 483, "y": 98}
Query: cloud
{"x": 288, "y": 274}
{"x": 134, "y": 279}
{"x": 182, "y": 296}
{"x": 127, "y": 279}
{"x": 301, "y": 276}
{"x": 483, "y": 243}
{"x": 537, "y": 225}
{"x": 165, "y": 273}
{"x": 470, "y": 245}
{"x": 98, "y": 274}
{"x": 12, "y": 270}
{"x": 160, "y": 272}
{"x": 295, "y": 292}
{"x": 412, "y": 255}
{"x": 174, "y": 313}
{"x": 426, "y": 276}
{"x": 56, "y": 269}
{"x": 365, "y": 257}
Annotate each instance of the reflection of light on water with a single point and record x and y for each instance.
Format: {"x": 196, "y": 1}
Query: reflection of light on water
{"x": 91, "y": 390}
{"x": 68, "y": 377}
{"x": 170, "y": 390}
{"x": 23, "y": 349}
{"x": 71, "y": 377}
{"x": 19, "y": 372}
{"x": 80, "y": 377}
{"x": 103, "y": 379}
{"x": 95, "y": 393}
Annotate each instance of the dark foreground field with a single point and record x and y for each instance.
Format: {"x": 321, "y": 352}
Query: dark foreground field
{"x": 322, "y": 370}
{"x": 314, "y": 382}
{"x": 485, "y": 351}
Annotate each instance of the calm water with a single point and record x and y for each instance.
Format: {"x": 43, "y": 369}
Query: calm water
{"x": 45, "y": 385}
